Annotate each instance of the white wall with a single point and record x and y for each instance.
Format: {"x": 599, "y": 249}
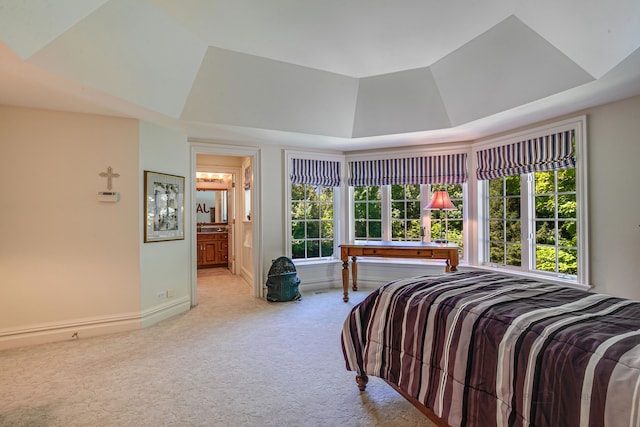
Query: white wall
{"x": 71, "y": 264}
{"x": 614, "y": 197}
{"x": 164, "y": 266}
{"x": 68, "y": 263}
{"x": 273, "y": 207}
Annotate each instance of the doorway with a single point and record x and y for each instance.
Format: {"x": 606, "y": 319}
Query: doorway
{"x": 247, "y": 229}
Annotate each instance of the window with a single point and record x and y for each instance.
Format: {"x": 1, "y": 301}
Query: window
{"x": 504, "y": 221}
{"x": 556, "y": 235}
{"x": 533, "y": 198}
{"x": 405, "y": 216}
{"x": 405, "y": 212}
{"x": 367, "y": 212}
{"x": 312, "y": 202}
{"x": 389, "y": 196}
{"x": 312, "y": 234}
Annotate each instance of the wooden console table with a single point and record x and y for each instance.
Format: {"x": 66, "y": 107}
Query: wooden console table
{"x": 446, "y": 251}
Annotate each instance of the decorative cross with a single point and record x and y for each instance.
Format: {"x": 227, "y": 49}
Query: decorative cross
{"x": 109, "y": 175}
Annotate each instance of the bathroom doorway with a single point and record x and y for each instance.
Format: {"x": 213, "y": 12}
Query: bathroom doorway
{"x": 242, "y": 209}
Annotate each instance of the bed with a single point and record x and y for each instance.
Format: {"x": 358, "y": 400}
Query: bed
{"x": 481, "y": 349}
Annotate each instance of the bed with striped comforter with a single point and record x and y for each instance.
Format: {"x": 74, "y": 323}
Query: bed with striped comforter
{"x": 484, "y": 349}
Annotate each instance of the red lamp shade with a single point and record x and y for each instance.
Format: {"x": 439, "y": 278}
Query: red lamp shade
{"x": 440, "y": 200}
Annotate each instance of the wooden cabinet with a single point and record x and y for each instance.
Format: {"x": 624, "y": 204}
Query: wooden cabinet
{"x": 213, "y": 250}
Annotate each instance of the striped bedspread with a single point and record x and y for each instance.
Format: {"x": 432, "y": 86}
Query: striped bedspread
{"x": 485, "y": 349}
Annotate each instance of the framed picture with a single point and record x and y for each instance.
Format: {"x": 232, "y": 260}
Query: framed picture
{"x": 163, "y": 207}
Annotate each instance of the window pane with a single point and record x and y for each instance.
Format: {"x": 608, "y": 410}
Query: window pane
{"x": 496, "y": 208}
{"x": 567, "y": 206}
{"x": 568, "y": 233}
{"x": 545, "y": 258}
{"x": 361, "y": 229}
{"x": 413, "y": 209}
{"x": 397, "y": 210}
{"x": 545, "y": 183}
{"x": 397, "y": 192}
{"x": 412, "y": 191}
{"x": 313, "y": 229}
{"x": 514, "y": 255}
{"x": 496, "y": 187}
{"x": 568, "y": 261}
{"x": 513, "y": 233}
{"x": 397, "y": 230}
{"x": 297, "y": 230}
{"x": 310, "y": 193}
{"x": 359, "y": 193}
{"x": 297, "y": 249}
{"x": 512, "y": 185}
{"x": 375, "y": 210}
{"x": 375, "y": 230}
{"x": 545, "y": 233}
{"x": 313, "y": 210}
{"x": 326, "y": 229}
{"x": 297, "y": 210}
{"x": 313, "y": 249}
{"x": 496, "y": 253}
{"x": 327, "y": 248}
{"x": 297, "y": 192}
{"x": 567, "y": 180}
{"x": 496, "y": 231}
{"x": 512, "y": 207}
{"x": 360, "y": 211}
{"x": 326, "y": 210}
{"x": 545, "y": 207}
{"x": 326, "y": 193}
{"x": 413, "y": 230}
{"x": 374, "y": 193}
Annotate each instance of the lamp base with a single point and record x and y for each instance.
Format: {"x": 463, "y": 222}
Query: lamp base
{"x": 441, "y": 241}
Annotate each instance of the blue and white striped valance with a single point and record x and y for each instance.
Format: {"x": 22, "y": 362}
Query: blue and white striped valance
{"x": 444, "y": 169}
{"x": 551, "y": 152}
{"x": 315, "y": 172}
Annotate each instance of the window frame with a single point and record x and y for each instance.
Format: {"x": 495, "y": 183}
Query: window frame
{"x": 468, "y": 205}
{"x": 337, "y": 203}
{"x": 578, "y": 125}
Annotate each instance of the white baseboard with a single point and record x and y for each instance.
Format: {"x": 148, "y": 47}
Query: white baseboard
{"x": 371, "y": 273}
{"x": 90, "y": 327}
{"x": 164, "y": 311}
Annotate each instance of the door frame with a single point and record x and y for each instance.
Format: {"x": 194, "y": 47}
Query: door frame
{"x": 200, "y": 146}
{"x": 232, "y": 200}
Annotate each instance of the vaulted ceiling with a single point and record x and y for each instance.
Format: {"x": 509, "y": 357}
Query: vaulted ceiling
{"x": 338, "y": 74}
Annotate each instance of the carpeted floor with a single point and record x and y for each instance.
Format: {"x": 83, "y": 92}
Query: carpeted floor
{"x": 234, "y": 360}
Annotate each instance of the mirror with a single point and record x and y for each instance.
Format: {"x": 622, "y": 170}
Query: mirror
{"x": 211, "y": 206}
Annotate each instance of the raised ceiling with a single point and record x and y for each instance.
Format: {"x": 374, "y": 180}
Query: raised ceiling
{"x": 346, "y": 75}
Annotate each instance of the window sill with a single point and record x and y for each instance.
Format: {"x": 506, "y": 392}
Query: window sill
{"x": 379, "y": 260}
{"x": 541, "y": 277}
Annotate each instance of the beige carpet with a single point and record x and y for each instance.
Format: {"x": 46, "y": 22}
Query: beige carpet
{"x": 234, "y": 360}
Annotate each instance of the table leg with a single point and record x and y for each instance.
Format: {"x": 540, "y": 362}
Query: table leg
{"x": 345, "y": 280}
{"x": 454, "y": 261}
{"x": 354, "y": 273}
{"x": 448, "y": 267}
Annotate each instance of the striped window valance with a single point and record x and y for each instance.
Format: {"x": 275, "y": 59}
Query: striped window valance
{"x": 551, "y": 152}
{"x": 443, "y": 169}
{"x": 315, "y": 172}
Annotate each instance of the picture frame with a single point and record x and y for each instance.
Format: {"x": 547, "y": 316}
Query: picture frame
{"x": 163, "y": 207}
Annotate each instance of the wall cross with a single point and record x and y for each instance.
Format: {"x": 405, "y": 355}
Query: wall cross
{"x": 109, "y": 175}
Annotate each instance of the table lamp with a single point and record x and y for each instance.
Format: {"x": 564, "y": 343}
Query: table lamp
{"x": 441, "y": 202}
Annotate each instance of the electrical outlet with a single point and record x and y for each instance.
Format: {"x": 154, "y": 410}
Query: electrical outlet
{"x": 161, "y": 295}
{"x": 170, "y": 293}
